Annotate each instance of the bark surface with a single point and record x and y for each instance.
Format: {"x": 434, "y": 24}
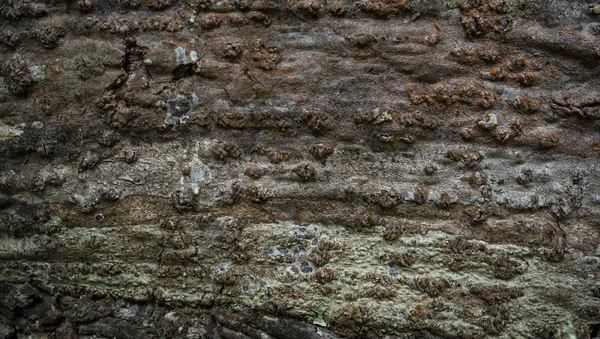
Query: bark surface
{"x": 299, "y": 169}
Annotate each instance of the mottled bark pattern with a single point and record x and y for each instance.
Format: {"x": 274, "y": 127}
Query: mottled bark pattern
{"x": 299, "y": 169}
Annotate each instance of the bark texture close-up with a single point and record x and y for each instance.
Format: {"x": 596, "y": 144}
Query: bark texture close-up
{"x": 234, "y": 169}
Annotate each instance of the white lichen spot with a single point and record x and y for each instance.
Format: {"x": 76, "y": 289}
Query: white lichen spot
{"x": 199, "y": 175}
{"x": 490, "y": 122}
{"x": 220, "y": 103}
{"x": 38, "y": 73}
{"x": 171, "y": 317}
{"x": 37, "y": 124}
{"x": 126, "y": 312}
{"x": 180, "y": 55}
{"x": 8, "y": 132}
{"x": 193, "y": 56}
{"x": 130, "y": 81}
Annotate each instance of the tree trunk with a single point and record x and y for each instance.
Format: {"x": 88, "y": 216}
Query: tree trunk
{"x": 299, "y": 169}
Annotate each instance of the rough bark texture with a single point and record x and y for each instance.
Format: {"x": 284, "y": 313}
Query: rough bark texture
{"x": 299, "y": 169}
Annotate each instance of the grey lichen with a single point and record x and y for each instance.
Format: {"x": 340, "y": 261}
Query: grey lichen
{"x": 179, "y": 109}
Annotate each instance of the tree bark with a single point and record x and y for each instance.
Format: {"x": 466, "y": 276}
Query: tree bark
{"x": 299, "y": 169}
